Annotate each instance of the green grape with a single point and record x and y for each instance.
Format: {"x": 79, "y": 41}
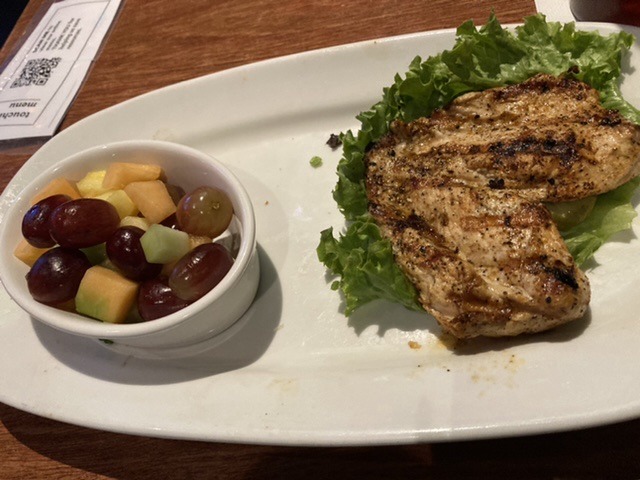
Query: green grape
{"x": 205, "y": 211}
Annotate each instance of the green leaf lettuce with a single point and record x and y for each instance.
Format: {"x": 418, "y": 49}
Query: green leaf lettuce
{"x": 481, "y": 58}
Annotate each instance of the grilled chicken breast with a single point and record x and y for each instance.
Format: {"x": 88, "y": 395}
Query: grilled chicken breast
{"x": 459, "y": 195}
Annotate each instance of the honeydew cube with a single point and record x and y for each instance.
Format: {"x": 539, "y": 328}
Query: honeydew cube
{"x": 96, "y": 253}
{"x": 27, "y": 253}
{"x": 57, "y": 186}
{"x": 91, "y": 184}
{"x": 134, "y": 315}
{"x": 119, "y": 199}
{"x": 120, "y": 174}
{"x": 108, "y": 264}
{"x": 167, "y": 268}
{"x": 163, "y": 244}
{"x": 132, "y": 221}
{"x": 152, "y": 199}
{"x": 105, "y": 295}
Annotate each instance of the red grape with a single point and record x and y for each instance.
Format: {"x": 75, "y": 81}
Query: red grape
{"x": 156, "y": 299}
{"x": 199, "y": 271}
{"x": 55, "y": 277}
{"x": 36, "y": 222}
{"x": 83, "y": 222}
{"x": 125, "y": 252}
{"x": 205, "y": 211}
{"x": 175, "y": 192}
{"x": 171, "y": 221}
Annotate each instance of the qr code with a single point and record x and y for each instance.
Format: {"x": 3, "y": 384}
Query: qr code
{"x": 36, "y": 72}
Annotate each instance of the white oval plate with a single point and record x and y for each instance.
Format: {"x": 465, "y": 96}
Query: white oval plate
{"x": 297, "y": 371}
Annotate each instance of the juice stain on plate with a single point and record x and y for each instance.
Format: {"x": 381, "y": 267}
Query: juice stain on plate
{"x": 492, "y": 368}
{"x": 285, "y": 386}
{"x": 501, "y": 370}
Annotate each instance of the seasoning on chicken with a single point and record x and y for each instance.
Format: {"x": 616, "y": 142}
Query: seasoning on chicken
{"x": 459, "y": 195}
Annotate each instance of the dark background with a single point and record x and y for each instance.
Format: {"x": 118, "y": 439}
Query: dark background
{"x": 11, "y": 10}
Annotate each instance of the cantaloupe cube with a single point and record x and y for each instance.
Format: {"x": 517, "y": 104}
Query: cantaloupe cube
{"x": 119, "y": 199}
{"x": 105, "y": 295}
{"x": 139, "y": 222}
{"x": 27, "y": 253}
{"x": 57, "y": 186}
{"x": 120, "y": 174}
{"x": 91, "y": 184}
{"x": 152, "y": 199}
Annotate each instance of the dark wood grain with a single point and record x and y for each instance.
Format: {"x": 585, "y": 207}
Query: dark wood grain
{"x": 155, "y": 43}
{"x": 34, "y": 447}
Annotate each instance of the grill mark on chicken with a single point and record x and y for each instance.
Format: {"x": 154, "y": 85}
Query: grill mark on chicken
{"x": 564, "y": 149}
{"x": 547, "y": 137}
{"x": 459, "y": 196}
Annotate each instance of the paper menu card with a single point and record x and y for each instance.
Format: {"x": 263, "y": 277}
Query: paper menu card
{"x": 40, "y": 82}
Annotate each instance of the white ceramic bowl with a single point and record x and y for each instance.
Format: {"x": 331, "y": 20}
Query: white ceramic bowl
{"x": 172, "y": 335}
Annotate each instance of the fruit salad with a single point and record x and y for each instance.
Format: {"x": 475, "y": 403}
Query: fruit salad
{"x": 124, "y": 245}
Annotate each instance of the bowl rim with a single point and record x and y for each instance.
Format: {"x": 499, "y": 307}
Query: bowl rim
{"x": 78, "y": 324}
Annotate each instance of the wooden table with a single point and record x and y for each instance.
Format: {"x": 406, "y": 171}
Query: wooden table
{"x": 159, "y": 42}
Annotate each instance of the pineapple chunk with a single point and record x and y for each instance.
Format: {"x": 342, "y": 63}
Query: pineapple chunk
{"x": 55, "y": 187}
{"x": 91, "y": 184}
{"x": 152, "y": 199}
{"x": 119, "y": 199}
{"x": 120, "y": 174}
{"x": 105, "y": 295}
{"x": 27, "y": 253}
{"x": 139, "y": 222}
{"x": 195, "y": 240}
